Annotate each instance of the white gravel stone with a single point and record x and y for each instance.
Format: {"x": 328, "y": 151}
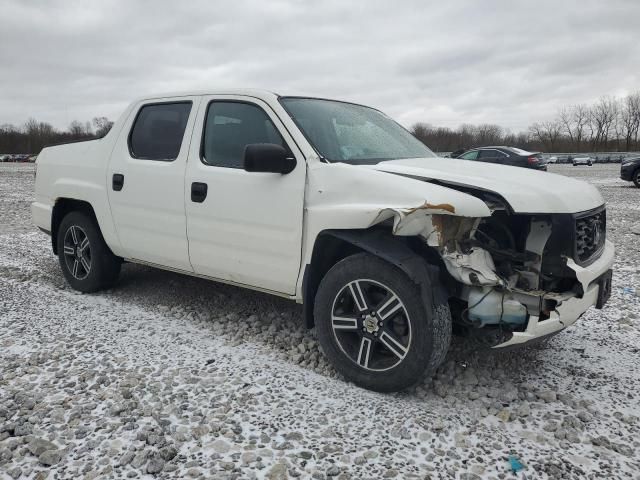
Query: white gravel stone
{"x": 220, "y": 446}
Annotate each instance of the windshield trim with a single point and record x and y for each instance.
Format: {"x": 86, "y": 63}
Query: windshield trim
{"x": 315, "y": 149}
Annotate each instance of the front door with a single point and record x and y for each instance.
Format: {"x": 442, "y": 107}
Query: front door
{"x": 145, "y": 180}
{"x": 243, "y": 227}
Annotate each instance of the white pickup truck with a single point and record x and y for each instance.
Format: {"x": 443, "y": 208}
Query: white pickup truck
{"x": 335, "y": 206}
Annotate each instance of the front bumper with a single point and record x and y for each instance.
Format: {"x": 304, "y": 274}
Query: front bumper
{"x": 569, "y": 307}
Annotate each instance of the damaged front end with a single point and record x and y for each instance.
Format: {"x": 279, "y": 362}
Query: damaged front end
{"x": 516, "y": 277}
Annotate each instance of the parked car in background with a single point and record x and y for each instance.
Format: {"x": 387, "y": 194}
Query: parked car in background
{"x": 457, "y": 153}
{"x": 5, "y": 158}
{"x": 630, "y": 170}
{"x": 582, "y": 161}
{"x": 553, "y": 159}
{"x": 513, "y": 156}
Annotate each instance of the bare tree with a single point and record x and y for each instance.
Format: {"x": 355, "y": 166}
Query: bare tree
{"x": 467, "y": 133}
{"x": 630, "y": 119}
{"x": 102, "y": 126}
{"x": 37, "y": 134}
{"x": 548, "y": 133}
{"x": 566, "y": 120}
{"x": 573, "y": 121}
{"x": 77, "y": 129}
{"x": 552, "y": 130}
{"x": 488, "y": 134}
{"x": 536, "y": 132}
{"x": 602, "y": 117}
{"x": 580, "y": 116}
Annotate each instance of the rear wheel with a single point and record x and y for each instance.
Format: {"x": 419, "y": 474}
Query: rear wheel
{"x": 636, "y": 178}
{"x": 373, "y": 325}
{"x": 86, "y": 261}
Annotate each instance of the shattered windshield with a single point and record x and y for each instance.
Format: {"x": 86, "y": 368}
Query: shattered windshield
{"x": 345, "y": 132}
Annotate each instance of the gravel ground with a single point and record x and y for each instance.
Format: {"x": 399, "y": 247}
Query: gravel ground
{"x": 176, "y": 377}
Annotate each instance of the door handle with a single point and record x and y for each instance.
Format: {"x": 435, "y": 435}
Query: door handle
{"x": 198, "y": 192}
{"x": 117, "y": 182}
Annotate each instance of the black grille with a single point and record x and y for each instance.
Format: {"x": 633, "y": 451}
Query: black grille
{"x": 591, "y": 232}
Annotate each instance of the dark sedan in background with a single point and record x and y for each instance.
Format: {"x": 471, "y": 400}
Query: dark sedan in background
{"x": 506, "y": 156}
{"x": 630, "y": 170}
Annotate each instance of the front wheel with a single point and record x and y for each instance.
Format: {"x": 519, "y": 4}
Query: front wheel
{"x": 87, "y": 262}
{"x": 374, "y": 327}
{"x": 636, "y": 178}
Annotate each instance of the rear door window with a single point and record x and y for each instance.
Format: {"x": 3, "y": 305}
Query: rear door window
{"x": 492, "y": 153}
{"x": 158, "y": 131}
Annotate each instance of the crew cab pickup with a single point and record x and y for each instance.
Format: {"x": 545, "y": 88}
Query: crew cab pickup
{"x": 336, "y": 206}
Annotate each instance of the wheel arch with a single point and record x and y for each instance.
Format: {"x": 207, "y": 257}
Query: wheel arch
{"x": 61, "y": 208}
{"x": 331, "y": 246}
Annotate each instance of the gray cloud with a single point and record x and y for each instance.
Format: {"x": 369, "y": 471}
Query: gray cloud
{"x": 502, "y": 62}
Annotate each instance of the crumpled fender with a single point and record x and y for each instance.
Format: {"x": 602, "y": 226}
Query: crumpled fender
{"x": 346, "y": 196}
{"x": 339, "y": 196}
{"x": 414, "y": 220}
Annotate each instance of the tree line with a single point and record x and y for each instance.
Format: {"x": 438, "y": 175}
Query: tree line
{"x": 611, "y": 124}
{"x": 33, "y": 136}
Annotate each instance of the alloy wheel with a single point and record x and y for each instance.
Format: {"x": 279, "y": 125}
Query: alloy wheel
{"x": 77, "y": 252}
{"x": 371, "y": 325}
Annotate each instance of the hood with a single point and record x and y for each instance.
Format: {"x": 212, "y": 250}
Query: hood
{"x": 526, "y": 190}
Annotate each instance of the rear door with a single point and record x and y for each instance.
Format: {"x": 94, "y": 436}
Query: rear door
{"x": 243, "y": 227}
{"x": 145, "y": 181}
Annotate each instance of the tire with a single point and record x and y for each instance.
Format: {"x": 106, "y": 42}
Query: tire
{"x": 636, "y": 178}
{"x": 87, "y": 263}
{"x": 395, "y": 340}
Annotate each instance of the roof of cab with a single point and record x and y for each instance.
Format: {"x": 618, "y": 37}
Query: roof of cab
{"x": 245, "y": 92}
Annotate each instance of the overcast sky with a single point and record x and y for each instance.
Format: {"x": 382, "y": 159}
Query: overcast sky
{"x": 444, "y": 63}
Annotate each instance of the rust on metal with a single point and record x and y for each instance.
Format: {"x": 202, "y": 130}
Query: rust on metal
{"x": 447, "y": 207}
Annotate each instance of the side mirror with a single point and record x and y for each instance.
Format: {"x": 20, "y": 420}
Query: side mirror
{"x": 268, "y": 157}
